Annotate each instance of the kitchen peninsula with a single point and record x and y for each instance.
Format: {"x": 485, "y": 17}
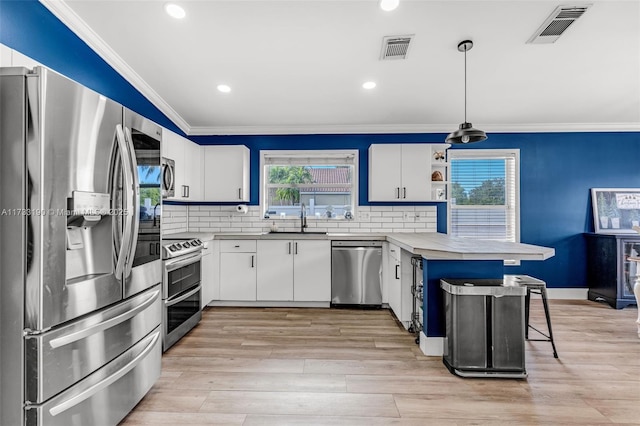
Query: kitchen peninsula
{"x": 443, "y": 256}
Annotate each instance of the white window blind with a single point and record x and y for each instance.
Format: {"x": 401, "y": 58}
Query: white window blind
{"x": 484, "y": 194}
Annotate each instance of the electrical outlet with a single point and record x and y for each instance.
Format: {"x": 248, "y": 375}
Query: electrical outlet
{"x": 364, "y": 215}
{"x": 409, "y": 216}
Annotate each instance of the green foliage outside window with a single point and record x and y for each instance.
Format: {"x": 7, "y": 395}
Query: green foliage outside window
{"x": 292, "y": 175}
{"x": 489, "y": 193}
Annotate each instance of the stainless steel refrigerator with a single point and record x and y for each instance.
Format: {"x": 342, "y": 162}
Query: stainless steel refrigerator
{"x": 80, "y": 268}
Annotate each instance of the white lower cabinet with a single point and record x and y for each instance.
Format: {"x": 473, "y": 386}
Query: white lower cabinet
{"x": 394, "y": 280}
{"x": 312, "y": 271}
{"x": 399, "y": 278}
{"x": 206, "y": 277}
{"x": 238, "y": 265}
{"x": 209, "y": 278}
{"x": 275, "y": 270}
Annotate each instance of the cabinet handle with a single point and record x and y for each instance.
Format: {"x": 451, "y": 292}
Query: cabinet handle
{"x": 397, "y": 277}
{"x": 289, "y": 250}
{"x": 398, "y": 192}
{"x": 295, "y": 250}
{"x": 239, "y": 193}
{"x": 188, "y": 188}
{"x": 252, "y": 260}
{"x": 404, "y": 192}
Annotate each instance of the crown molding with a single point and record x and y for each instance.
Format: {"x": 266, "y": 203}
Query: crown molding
{"x": 410, "y": 128}
{"x": 80, "y": 28}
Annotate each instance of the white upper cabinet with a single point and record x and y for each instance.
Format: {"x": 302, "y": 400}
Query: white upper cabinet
{"x": 226, "y": 173}
{"x": 193, "y": 171}
{"x": 188, "y": 166}
{"x": 400, "y": 172}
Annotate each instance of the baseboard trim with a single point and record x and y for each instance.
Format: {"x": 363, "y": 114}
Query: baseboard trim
{"x": 269, "y": 304}
{"x": 431, "y": 346}
{"x": 567, "y": 293}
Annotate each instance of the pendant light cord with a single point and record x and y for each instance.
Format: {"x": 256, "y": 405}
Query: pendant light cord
{"x": 465, "y": 84}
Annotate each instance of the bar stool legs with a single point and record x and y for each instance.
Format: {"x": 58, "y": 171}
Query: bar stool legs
{"x": 534, "y": 286}
{"x": 542, "y": 291}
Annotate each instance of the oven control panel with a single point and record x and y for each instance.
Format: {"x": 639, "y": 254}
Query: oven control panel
{"x": 171, "y": 249}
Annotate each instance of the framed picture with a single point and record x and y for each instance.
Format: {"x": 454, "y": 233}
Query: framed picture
{"x": 615, "y": 210}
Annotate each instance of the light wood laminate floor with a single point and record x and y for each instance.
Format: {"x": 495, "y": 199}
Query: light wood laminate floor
{"x": 280, "y": 366}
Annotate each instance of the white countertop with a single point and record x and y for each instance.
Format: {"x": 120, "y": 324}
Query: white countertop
{"x": 433, "y": 245}
{"x": 430, "y": 245}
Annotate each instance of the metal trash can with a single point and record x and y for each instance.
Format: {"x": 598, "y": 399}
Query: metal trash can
{"x": 484, "y": 328}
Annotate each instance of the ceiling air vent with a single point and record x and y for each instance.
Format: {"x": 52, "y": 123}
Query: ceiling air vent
{"x": 395, "y": 47}
{"x": 557, "y": 23}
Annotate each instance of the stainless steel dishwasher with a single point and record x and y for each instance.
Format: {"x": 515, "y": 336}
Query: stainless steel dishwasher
{"x": 356, "y": 273}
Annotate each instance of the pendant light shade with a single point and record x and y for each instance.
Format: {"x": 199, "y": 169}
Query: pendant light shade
{"x": 466, "y": 133}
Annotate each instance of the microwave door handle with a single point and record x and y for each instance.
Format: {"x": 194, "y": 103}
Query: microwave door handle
{"x": 167, "y": 173}
{"x": 92, "y": 390}
{"x": 135, "y": 202}
{"x": 125, "y": 240}
{"x": 172, "y": 181}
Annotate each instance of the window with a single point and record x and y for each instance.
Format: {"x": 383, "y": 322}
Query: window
{"x": 484, "y": 194}
{"x": 324, "y": 181}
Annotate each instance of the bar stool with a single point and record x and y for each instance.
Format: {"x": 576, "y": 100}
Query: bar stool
{"x": 534, "y": 286}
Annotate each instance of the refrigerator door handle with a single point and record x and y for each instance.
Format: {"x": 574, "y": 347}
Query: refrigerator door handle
{"x": 128, "y": 179}
{"x": 135, "y": 201}
{"x": 92, "y": 390}
{"x": 112, "y": 322}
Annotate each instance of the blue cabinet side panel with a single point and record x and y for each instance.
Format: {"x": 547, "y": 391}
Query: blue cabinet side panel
{"x": 433, "y": 296}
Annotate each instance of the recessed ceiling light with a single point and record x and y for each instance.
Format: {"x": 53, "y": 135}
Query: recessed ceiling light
{"x": 174, "y": 10}
{"x": 389, "y": 5}
{"x": 369, "y": 84}
{"x": 224, "y": 88}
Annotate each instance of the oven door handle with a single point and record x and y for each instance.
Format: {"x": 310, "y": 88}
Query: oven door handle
{"x": 190, "y": 293}
{"x": 172, "y": 265}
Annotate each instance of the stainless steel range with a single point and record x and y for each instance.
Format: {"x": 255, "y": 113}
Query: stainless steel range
{"x": 181, "y": 291}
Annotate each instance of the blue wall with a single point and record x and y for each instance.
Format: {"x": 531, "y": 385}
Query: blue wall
{"x": 28, "y": 27}
{"x": 557, "y": 169}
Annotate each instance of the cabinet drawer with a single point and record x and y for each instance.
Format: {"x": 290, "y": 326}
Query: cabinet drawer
{"x": 237, "y": 246}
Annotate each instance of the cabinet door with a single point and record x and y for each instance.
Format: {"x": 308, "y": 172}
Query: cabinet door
{"x": 226, "y": 173}
{"x": 416, "y": 172}
{"x": 238, "y": 276}
{"x": 384, "y": 172}
{"x": 275, "y": 270}
{"x": 394, "y": 281}
{"x": 193, "y": 171}
{"x": 208, "y": 271}
{"x": 173, "y": 148}
{"x": 312, "y": 270}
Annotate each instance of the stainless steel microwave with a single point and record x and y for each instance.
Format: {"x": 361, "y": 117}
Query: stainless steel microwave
{"x": 168, "y": 177}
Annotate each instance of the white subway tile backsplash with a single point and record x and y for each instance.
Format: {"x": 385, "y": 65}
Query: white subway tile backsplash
{"x": 226, "y": 219}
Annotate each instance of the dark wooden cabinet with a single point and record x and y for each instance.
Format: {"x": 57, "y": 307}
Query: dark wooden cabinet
{"x": 610, "y": 275}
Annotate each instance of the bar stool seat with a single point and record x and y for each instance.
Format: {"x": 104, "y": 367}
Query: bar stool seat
{"x": 534, "y": 286}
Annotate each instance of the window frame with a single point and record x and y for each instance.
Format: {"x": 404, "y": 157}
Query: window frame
{"x": 297, "y": 156}
{"x": 491, "y": 154}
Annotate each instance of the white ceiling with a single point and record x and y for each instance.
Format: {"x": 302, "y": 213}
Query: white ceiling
{"x": 298, "y": 66}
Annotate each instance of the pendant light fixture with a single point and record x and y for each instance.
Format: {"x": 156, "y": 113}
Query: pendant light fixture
{"x": 466, "y": 133}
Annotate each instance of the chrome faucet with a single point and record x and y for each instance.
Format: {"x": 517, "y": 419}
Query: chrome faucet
{"x": 155, "y": 216}
{"x": 303, "y": 217}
